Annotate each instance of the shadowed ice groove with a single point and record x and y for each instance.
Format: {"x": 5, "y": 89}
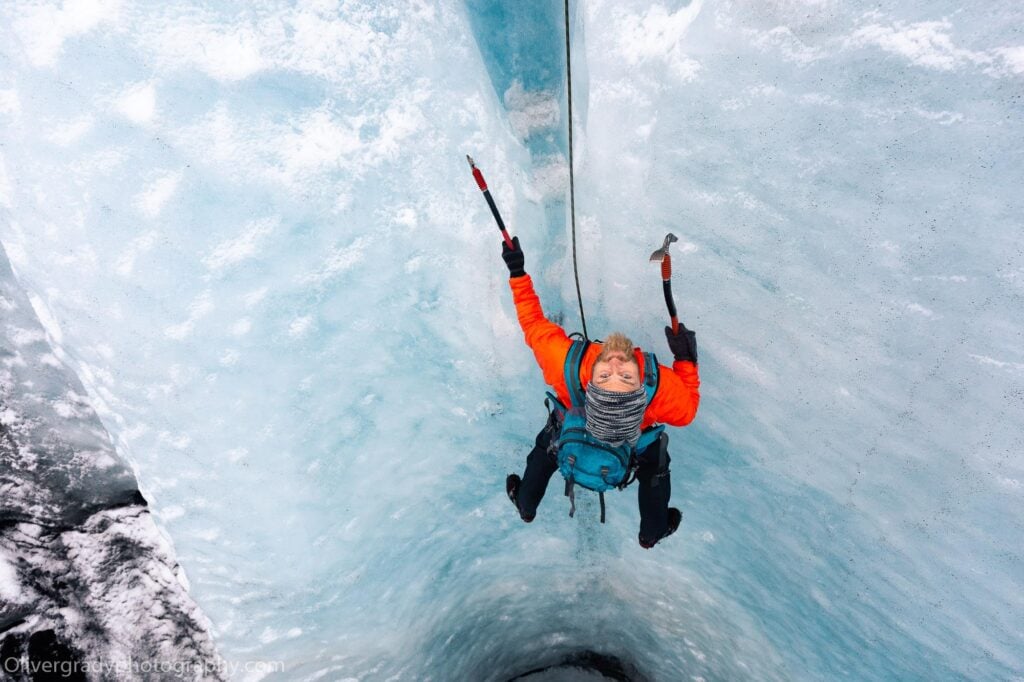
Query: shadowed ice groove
{"x": 522, "y": 45}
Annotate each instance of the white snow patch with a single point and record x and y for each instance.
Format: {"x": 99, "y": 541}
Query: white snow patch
{"x": 200, "y": 307}
{"x": 743, "y": 365}
{"x": 225, "y": 54}
{"x": 10, "y": 586}
{"x": 413, "y": 264}
{"x": 269, "y": 634}
{"x": 621, "y": 91}
{"x": 244, "y": 246}
{"x": 137, "y": 102}
{"x": 51, "y": 360}
{"x": 64, "y": 409}
{"x": 152, "y": 200}
{"x": 144, "y": 243}
{"x": 172, "y": 512}
{"x": 711, "y": 198}
{"x": 208, "y": 534}
{"x": 407, "y": 217}
{"x": 550, "y": 180}
{"x": 764, "y": 91}
{"x": 319, "y": 141}
{"x": 1013, "y": 58}
{"x": 10, "y": 103}
{"x": 229, "y": 357}
{"x": 819, "y": 99}
{"x": 237, "y": 454}
{"x": 255, "y": 296}
{"x": 241, "y": 327}
{"x": 7, "y": 201}
{"x": 105, "y": 460}
{"x": 926, "y": 43}
{"x": 47, "y": 319}
{"x": 920, "y": 309}
{"x": 986, "y": 360}
{"x": 300, "y": 326}
{"x": 180, "y": 441}
{"x": 104, "y": 350}
{"x": 658, "y": 35}
{"x": 787, "y": 43}
{"x": 531, "y": 111}
{"x": 338, "y": 261}
{"x": 945, "y": 118}
{"x": 400, "y": 122}
{"x": 22, "y": 337}
{"x": 43, "y": 29}
{"x": 72, "y": 131}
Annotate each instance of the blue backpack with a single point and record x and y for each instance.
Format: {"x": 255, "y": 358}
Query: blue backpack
{"x": 583, "y": 459}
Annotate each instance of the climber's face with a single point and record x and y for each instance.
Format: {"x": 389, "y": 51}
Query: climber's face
{"x": 616, "y": 371}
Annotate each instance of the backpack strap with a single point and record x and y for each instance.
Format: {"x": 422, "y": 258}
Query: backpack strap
{"x": 652, "y": 434}
{"x": 570, "y": 492}
{"x": 652, "y": 376}
{"x": 573, "y": 361}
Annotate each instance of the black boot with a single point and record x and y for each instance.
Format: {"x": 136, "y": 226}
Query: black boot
{"x": 675, "y": 517}
{"x": 512, "y": 490}
{"x": 512, "y": 482}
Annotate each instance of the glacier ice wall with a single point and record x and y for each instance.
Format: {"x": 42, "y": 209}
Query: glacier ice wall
{"x": 87, "y": 581}
{"x": 251, "y": 231}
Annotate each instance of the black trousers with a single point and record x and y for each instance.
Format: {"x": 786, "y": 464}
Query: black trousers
{"x": 652, "y": 477}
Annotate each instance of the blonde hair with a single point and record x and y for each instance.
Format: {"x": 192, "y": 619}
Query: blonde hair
{"x": 616, "y": 342}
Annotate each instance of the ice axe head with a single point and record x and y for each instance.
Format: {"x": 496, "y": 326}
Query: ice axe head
{"x": 662, "y": 253}
{"x": 662, "y": 256}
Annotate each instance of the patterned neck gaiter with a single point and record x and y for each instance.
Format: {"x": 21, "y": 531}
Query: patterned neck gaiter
{"x": 615, "y": 417}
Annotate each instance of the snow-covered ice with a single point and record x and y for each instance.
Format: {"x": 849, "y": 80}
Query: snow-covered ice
{"x": 248, "y": 242}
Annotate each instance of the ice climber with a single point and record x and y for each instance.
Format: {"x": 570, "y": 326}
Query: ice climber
{"x": 624, "y": 395}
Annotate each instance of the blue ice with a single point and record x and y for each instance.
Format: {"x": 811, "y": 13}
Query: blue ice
{"x": 252, "y": 232}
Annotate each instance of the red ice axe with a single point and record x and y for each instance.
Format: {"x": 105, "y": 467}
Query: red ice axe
{"x": 482, "y": 184}
{"x": 662, "y": 256}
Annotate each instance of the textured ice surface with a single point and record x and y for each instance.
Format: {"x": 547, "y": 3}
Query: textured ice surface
{"x": 82, "y": 563}
{"x": 251, "y": 231}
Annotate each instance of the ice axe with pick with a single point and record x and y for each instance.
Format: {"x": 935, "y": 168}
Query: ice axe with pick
{"x": 482, "y": 184}
{"x": 662, "y": 256}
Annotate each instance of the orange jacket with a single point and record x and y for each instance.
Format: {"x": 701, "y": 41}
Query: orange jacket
{"x": 678, "y": 394}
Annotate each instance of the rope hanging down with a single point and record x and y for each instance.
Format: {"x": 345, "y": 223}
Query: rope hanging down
{"x": 572, "y": 186}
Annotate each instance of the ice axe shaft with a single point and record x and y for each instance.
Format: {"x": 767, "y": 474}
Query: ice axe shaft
{"x": 662, "y": 256}
{"x": 482, "y": 184}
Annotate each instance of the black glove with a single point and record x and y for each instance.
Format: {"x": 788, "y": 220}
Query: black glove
{"x": 683, "y": 344}
{"x": 513, "y": 257}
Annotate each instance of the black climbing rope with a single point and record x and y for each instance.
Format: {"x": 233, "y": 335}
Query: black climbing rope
{"x": 572, "y": 186}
